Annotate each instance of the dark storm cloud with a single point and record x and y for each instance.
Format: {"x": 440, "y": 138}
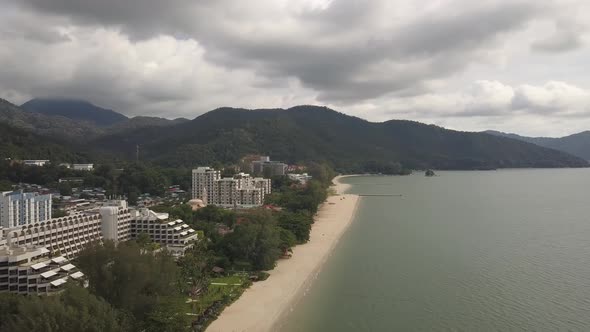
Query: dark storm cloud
{"x": 342, "y": 54}
{"x": 186, "y": 57}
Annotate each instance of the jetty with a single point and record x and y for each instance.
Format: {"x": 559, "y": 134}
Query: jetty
{"x": 380, "y": 195}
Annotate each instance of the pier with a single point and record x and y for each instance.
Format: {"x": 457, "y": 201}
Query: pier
{"x": 379, "y": 195}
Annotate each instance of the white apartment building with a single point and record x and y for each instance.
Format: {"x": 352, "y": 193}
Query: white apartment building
{"x": 83, "y": 167}
{"x": 264, "y": 184}
{"x": 175, "y": 235}
{"x": 35, "y": 162}
{"x": 30, "y": 270}
{"x": 240, "y": 191}
{"x": 250, "y": 197}
{"x": 203, "y": 182}
{"x": 225, "y": 192}
{"x": 18, "y": 208}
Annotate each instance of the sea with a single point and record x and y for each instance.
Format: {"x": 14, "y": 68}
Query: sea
{"x": 505, "y": 250}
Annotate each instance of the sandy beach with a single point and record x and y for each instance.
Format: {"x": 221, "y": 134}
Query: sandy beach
{"x": 263, "y": 304}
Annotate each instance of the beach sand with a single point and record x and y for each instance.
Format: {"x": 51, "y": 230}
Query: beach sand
{"x": 263, "y": 304}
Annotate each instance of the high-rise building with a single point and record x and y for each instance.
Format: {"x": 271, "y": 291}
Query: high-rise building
{"x": 263, "y": 184}
{"x": 203, "y": 182}
{"x": 18, "y": 208}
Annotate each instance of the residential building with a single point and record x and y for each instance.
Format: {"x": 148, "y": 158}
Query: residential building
{"x": 35, "y": 162}
{"x": 30, "y": 270}
{"x": 264, "y": 184}
{"x": 250, "y": 197}
{"x": 203, "y": 182}
{"x": 18, "y": 208}
{"x": 240, "y": 191}
{"x": 268, "y": 168}
{"x": 83, "y": 167}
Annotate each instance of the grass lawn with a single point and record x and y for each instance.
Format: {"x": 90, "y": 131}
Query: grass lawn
{"x": 229, "y": 292}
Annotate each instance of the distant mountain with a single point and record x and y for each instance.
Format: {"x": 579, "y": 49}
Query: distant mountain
{"x": 311, "y": 133}
{"x": 576, "y": 144}
{"x": 49, "y": 125}
{"x": 74, "y": 109}
{"x": 58, "y": 126}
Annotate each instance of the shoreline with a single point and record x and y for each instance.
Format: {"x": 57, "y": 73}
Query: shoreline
{"x": 262, "y": 306}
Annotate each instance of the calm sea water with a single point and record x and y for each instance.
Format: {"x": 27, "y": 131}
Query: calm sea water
{"x": 463, "y": 251}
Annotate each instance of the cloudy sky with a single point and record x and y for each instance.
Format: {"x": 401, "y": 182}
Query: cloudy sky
{"x": 512, "y": 65}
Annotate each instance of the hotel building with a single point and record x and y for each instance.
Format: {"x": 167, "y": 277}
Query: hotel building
{"x": 31, "y": 270}
{"x": 175, "y": 235}
{"x": 34, "y": 257}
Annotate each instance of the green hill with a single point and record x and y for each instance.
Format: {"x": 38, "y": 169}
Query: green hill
{"x": 18, "y": 144}
{"x": 311, "y": 133}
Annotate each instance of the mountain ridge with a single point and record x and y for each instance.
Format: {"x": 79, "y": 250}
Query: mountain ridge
{"x": 577, "y": 144}
{"x": 74, "y": 109}
{"x": 318, "y": 133}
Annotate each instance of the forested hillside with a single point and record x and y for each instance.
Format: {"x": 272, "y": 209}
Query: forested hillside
{"x": 321, "y": 134}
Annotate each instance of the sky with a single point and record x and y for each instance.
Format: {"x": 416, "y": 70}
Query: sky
{"x": 518, "y": 66}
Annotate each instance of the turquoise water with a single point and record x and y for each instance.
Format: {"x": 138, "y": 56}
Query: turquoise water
{"x": 463, "y": 251}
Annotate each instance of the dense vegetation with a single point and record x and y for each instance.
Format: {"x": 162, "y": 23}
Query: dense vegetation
{"x": 17, "y": 143}
{"x": 76, "y": 309}
{"x": 349, "y": 144}
{"x": 131, "y": 179}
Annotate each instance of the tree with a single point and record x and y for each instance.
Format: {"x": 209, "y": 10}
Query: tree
{"x": 5, "y": 185}
{"x": 73, "y": 310}
{"x": 257, "y": 240}
{"x": 195, "y": 266}
{"x": 65, "y": 189}
{"x": 288, "y": 239}
{"x": 129, "y": 278}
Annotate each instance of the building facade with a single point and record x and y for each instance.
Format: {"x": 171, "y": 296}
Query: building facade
{"x": 18, "y": 208}
{"x": 32, "y": 271}
{"x": 203, "y": 181}
{"x": 175, "y": 235}
{"x": 83, "y": 167}
{"x": 240, "y": 191}
{"x": 35, "y": 162}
